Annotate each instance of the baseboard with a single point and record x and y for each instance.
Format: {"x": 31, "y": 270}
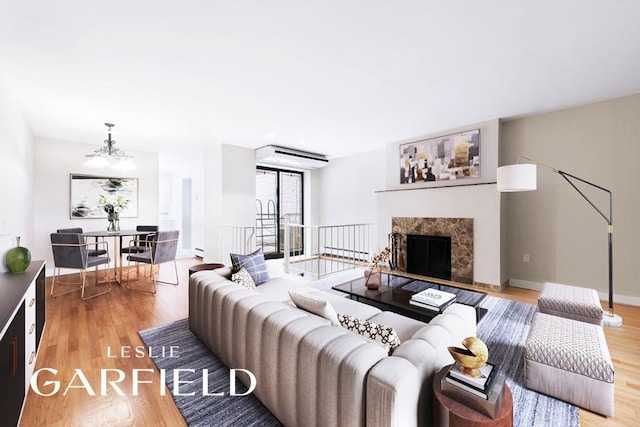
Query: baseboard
{"x": 604, "y": 296}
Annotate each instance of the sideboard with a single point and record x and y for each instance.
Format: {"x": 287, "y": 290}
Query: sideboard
{"x": 22, "y": 313}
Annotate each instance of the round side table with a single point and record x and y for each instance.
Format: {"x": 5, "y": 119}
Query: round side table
{"x": 449, "y": 412}
{"x": 203, "y": 267}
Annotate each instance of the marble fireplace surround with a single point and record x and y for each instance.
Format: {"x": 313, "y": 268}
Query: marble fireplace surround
{"x": 459, "y": 229}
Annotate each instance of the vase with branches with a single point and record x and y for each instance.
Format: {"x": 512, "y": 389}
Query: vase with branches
{"x": 373, "y": 273}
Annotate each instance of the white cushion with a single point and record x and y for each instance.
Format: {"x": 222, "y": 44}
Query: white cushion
{"x": 243, "y": 278}
{"x": 315, "y": 304}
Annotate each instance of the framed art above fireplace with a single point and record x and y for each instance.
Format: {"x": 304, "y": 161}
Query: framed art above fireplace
{"x": 443, "y": 158}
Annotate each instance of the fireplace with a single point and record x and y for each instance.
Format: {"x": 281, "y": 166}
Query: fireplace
{"x": 458, "y": 230}
{"x": 429, "y": 256}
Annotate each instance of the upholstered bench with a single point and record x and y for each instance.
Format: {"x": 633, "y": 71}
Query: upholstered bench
{"x": 571, "y": 302}
{"x": 569, "y": 360}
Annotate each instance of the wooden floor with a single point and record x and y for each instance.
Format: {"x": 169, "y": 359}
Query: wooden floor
{"x": 79, "y": 334}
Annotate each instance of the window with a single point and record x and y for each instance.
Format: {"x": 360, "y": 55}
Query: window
{"x": 279, "y": 194}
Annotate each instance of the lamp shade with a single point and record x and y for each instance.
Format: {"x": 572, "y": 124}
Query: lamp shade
{"x": 520, "y": 177}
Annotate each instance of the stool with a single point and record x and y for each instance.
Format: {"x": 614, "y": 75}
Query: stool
{"x": 203, "y": 267}
{"x": 569, "y": 360}
{"x": 571, "y": 302}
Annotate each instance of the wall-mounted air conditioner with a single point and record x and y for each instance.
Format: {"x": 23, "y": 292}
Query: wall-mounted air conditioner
{"x": 287, "y": 157}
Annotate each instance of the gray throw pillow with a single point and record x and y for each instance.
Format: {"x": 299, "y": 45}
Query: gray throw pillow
{"x": 254, "y": 263}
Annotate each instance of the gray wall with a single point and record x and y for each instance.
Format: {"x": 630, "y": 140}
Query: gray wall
{"x": 565, "y": 237}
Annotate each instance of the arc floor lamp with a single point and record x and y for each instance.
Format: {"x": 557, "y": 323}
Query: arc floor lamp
{"x": 522, "y": 177}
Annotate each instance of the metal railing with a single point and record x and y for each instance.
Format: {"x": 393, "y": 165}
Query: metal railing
{"x": 316, "y": 251}
{"x": 237, "y": 239}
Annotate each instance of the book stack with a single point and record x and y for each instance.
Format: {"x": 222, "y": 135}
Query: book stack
{"x": 483, "y": 394}
{"x": 433, "y": 300}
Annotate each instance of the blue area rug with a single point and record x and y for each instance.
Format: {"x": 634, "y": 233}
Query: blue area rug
{"x": 199, "y": 410}
{"x": 504, "y": 329}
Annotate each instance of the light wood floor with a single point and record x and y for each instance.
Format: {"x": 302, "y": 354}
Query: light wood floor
{"x": 79, "y": 333}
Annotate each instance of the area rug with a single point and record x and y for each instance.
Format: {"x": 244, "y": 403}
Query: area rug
{"x": 504, "y": 329}
{"x": 201, "y": 410}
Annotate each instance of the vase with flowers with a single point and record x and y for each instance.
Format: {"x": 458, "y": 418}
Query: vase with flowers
{"x": 373, "y": 273}
{"x": 113, "y": 206}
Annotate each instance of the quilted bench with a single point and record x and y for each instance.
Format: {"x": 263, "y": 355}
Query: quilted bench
{"x": 569, "y": 360}
{"x": 571, "y": 302}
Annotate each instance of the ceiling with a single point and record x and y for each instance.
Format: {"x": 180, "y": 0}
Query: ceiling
{"x": 335, "y": 77}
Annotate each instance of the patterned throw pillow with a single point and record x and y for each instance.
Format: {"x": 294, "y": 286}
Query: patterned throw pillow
{"x": 254, "y": 263}
{"x": 385, "y": 335}
{"x": 243, "y": 278}
{"x": 315, "y": 304}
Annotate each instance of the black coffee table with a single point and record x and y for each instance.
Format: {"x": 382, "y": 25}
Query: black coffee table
{"x": 396, "y": 291}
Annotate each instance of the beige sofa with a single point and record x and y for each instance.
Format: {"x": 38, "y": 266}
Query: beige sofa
{"x": 311, "y": 373}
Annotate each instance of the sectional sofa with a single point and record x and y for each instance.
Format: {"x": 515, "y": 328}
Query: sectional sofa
{"x": 313, "y": 372}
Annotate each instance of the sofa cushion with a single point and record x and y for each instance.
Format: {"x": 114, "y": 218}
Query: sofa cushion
{"x": 254, "y": 263}
{"x": 349, "y": 306}
{"x": 383, "y": 334}
{"x": 278, "y": 289}
{"x": 405, "y": 327}
{"x": 315, "y": 304}
{"x": 243, "y": 278}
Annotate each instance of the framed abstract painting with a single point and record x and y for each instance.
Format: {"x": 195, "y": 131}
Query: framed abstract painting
{"x": 85, "y": 192}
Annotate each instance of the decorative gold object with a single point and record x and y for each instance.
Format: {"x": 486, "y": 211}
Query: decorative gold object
{"x": 472, "y": 357}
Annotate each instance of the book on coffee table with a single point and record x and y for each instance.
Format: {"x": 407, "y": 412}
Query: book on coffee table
{"x": 431, "y": 307}
{"x": 433, "y": 297}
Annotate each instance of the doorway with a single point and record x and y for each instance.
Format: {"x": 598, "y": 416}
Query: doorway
{"x": 279, "y": 194}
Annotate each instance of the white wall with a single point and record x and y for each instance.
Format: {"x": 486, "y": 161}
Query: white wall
{"x": 176, "y": 166}
{"x": 16, "y": 172}
{"x": 480, "y": 202}
{"x": 54, "y": 162}
{"x": 230, "y": 193}
{"x": 344, "y": 191}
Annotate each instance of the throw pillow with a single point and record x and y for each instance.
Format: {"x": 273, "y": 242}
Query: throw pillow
{"x": 315, "y": 304}
{"x": 383, "y": 334}
{"x": 243, "y": 278}
{"x": 254, "y": 263}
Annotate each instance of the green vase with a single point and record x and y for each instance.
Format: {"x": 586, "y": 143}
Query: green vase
{"x": 18, "y": 258}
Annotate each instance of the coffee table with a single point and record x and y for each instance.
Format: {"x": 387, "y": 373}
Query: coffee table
{"x": 396, "y": 291}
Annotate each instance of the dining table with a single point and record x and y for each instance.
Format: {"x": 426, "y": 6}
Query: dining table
{"x": 117, "y": 251}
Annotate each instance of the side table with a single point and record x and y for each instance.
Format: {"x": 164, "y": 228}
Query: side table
{"x": 203, "y": 267}
{"x": 449, "y": 412}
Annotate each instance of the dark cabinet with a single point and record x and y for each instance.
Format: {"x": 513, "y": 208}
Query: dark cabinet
{"x": 41, "y": 296}
{"x": 12, "y": 369}
{"x": 22, "y": 320}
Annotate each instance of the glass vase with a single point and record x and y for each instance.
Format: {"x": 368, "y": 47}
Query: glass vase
{"x": 114, "y": 224}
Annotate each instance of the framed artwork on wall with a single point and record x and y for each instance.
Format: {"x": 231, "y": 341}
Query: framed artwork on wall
{"x": 444, "y": 158}
{"x": 86, "y": 192}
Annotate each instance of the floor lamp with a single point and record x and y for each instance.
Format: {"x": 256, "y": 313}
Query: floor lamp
{"x": 522, "y": 177}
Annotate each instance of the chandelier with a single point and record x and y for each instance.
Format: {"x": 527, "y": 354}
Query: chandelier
{"x": 109, "y": 156}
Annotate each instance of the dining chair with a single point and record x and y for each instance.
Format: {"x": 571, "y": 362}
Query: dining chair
{"x": 78, "y": 230}
{"x": 141, "y": 243}
{"x": 70, "y": 251}
{"x": 163, "y": 249}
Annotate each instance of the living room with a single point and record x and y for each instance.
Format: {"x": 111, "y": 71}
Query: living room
{"x": 563, "y": 239}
